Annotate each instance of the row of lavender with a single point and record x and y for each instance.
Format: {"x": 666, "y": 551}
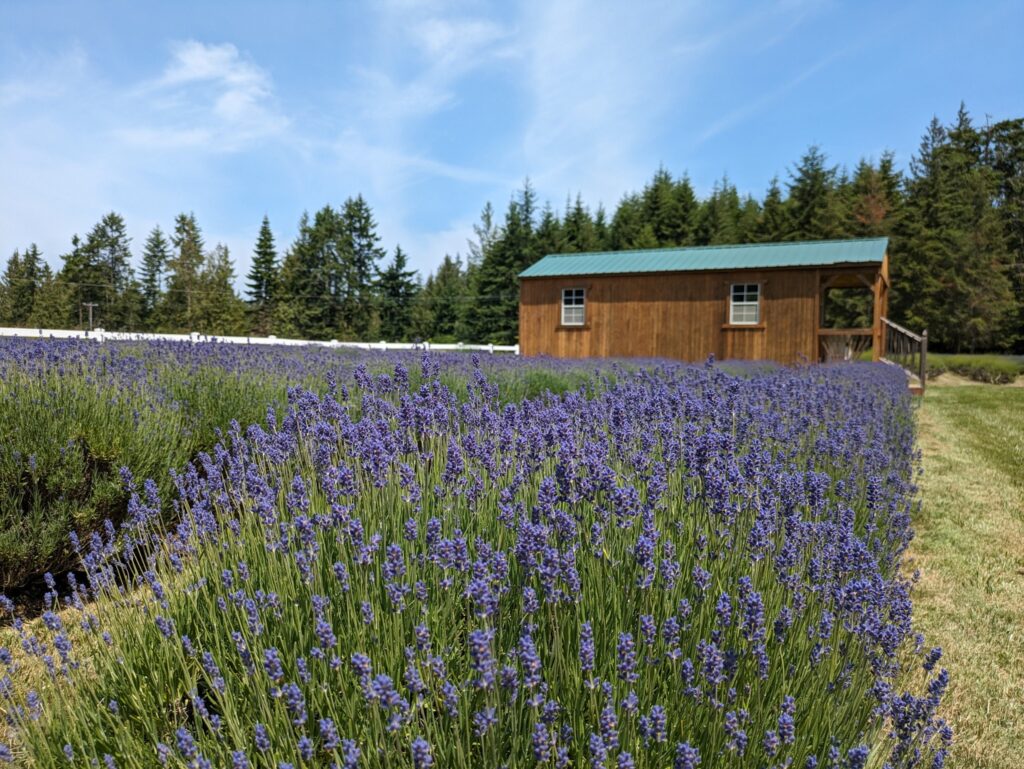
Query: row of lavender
{"x": 681, "y": 567}
{"x": 72, "y": 413}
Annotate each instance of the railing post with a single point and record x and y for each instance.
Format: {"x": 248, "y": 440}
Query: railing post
{"x": 924, "y": 359}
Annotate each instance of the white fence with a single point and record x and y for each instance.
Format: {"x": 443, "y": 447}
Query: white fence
{"x": 99, "y": 335}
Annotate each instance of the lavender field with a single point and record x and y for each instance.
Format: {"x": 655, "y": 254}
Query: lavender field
{"x": 425, "y": 562}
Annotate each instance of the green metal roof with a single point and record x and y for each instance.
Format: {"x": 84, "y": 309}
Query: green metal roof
{"x": 807, "y": 253}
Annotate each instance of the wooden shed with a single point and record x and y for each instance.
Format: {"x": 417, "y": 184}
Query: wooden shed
{"x": 763, "y": 301}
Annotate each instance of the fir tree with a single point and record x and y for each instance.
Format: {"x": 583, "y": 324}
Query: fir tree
{"x": 217, "y": 308}
{"x": 177, "y": 310}
{"x": 359, "y": 266}
{"x": 396, "y": 290}
{"x": 52, "y": 303}
{"x": 99, "y": 270}
{"x": 19, "y": 285}
{"x": 814, "y": 205}
{"x": 261, "y": 282}
{"x": 155, "y": 256}
{"x": 578, "y": 228}
{"x": 773, "y": 224}
{"x": 628, "y": 223}
{"x": 951, "y": 275}
{"x": 438, "y": 306}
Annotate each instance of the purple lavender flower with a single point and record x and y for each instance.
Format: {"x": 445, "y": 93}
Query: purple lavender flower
{"x": 421, "y": 755}
{"x": 687, "y": 756}
{"x": 626, "y": 653}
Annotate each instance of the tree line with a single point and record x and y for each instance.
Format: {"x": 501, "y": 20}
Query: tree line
{"x": 955, "y": 219}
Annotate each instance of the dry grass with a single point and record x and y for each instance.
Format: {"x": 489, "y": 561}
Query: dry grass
{"x": 970, "y": 550}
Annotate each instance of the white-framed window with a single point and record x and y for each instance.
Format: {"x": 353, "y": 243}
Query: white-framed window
{"x": 745, "y": 304}
{"x": 573, "y": 306}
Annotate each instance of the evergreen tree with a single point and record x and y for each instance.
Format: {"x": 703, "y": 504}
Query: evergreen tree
{"x": 773, "y": 224}
{"x": 99, "y": 269}
{"x": 396, "y": 290}
{"x": 550, "y": 238}
{"x": 814, "y": 205}
{"x": 359, "y": 266}
{"x": 155, "y": 256}
{"x": 261, "y": 281}
{"x": 296, "y": 285}
{"x": 438, "y": 307}
{"x": 1004, "y": 151}
{"x": 719, "y": 218}
{"x": 177, "y": 310}
{"x": 874, "y": 199}
{"x": 663, "y": 210}
{"x": 494, "y": 313}
{"x": 602, "y": 231}
{"x": 578, "y": 230}
{"x": 952, "y": 271}
{"x": 627, "y": 230}
{"x": 19, "y": 286}
{"x": 52, "y": 302}
{"x": 217, "y": 308}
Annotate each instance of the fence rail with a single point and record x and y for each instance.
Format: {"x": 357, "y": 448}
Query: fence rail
{"x": 907, "y": 350}
{"x": 99, "y": 335}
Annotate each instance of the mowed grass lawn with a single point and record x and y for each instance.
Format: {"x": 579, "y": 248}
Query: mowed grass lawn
{"x": 969, "y": 546}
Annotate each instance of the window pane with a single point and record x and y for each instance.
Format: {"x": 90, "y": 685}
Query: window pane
{"x": 572, "y": 316}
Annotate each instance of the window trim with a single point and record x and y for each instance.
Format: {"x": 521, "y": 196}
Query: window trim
{"x": 582, "y": 304}
{"x": 745, "y": 303}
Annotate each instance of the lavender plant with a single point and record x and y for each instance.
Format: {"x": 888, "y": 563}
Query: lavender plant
{"x": 73, "y": 413}
{"x": 681, "y": 567}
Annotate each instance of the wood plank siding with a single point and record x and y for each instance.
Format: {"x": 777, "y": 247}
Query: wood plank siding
{"x": 682, "y": 315}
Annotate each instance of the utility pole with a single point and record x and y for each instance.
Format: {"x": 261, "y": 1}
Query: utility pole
{"x": 90, "y": 305}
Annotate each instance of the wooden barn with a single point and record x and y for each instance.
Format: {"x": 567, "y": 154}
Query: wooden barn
{"x": 762, "y": 301}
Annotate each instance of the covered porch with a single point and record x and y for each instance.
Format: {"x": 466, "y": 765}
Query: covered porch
{"x": 862, "y": 295}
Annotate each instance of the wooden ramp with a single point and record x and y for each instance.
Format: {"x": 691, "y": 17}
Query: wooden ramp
{"x": 909, "y": 351}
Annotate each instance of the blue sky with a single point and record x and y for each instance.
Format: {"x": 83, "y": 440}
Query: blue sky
{"x": 233, "y": 109}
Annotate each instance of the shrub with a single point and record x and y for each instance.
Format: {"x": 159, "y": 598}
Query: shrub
{"x": 991, "y": 369}
{"x": 685, "y": 567}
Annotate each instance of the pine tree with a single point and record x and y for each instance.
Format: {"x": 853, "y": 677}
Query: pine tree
{"x": 177, "y": 310}
{"x": 951, "y": 275}
{"x": 396, "y": 291}
{"x": 19, "y": 286}
{"x": 493, "y": 315}
{"x": 628, "y": 223}
{"x": 359, "y": 266}
{"x": 52, "y": 303}
{"x": 99, "y": 270}
{"x": 774, "y": 222}
{"x": 549, "y": 238}
{"x": 602, "y": 231}
{"x": 578, "y": 228}
{"x": 874, "y": 199}
{"x": 718, "y": 219}
{"x": 261, "y": 282}
{"x": 1004, "y": 152}
{"x": 814, "y": 205}
{"x": 217, "y": 308}
{"x": 438, "y": 307}
{"x": 155, "y": 256}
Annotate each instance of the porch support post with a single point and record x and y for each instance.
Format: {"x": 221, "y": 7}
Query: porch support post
{"x": 878, "y": 331}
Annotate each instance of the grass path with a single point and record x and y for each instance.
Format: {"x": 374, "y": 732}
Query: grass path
{"x": 969, "y": 546}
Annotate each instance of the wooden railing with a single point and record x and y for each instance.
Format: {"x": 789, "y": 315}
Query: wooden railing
{"x": 907, "y": 350}
{"x": 843, "y": 344}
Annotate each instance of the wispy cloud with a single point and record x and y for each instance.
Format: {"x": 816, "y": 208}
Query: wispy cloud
{"x": 210, "y": 97}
